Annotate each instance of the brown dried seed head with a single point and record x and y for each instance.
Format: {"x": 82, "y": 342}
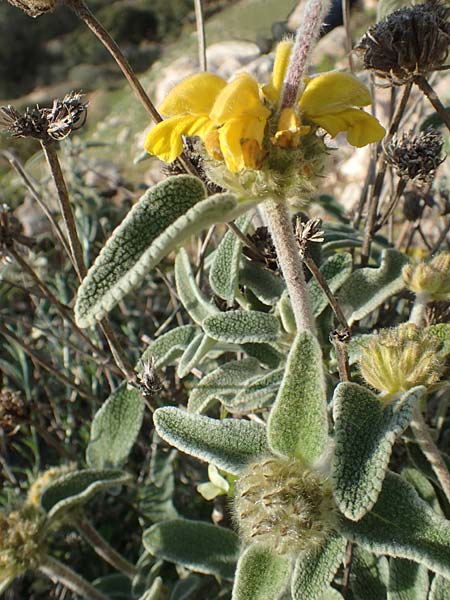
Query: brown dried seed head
{"x": 409, "y": 42}
{"x": 34, "y": 8}
{"x": 416, "y": 155}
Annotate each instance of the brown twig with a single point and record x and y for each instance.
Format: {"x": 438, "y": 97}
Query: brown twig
{"x": 429, "y": 92}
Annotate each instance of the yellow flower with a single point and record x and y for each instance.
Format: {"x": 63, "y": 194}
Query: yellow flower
{"x": 328, "y": 100}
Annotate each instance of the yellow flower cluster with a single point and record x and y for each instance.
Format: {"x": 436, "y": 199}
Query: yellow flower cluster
{"x": 238, "y": 121}
{"x": 431, "y": 279}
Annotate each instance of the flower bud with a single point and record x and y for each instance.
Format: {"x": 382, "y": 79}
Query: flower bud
{"x": 430, "y": 279}
{"x": 283, "y": 505}
{"x": 396, "y": 360}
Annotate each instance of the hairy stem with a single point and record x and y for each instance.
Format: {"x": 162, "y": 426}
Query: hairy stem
{"x": 417, "y": 315}
{"x": 104, "y": 550}
{"x": 291, "y": 264}
{"x": 429, "y": 448}
{"x": 60, "y": 573}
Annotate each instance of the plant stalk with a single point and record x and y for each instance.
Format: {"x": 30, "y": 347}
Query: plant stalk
{"x": 429, "y": 448}
{"x": 60, "y": 573}
{"x": 429, "y": 92}
{"x": 200, "y": 24}
{"x": 104, "y": 550}
{"x": 280, "y": 225}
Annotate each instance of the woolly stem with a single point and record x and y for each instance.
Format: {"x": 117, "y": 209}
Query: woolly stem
{"x": 429, "y": 448}
{"x": 104, "y": 550}
{"x": 417, "y": 315}
{"x": 291, "y": 264}
{"x": 60, "y": 573}
{"x": 305, "y": 40}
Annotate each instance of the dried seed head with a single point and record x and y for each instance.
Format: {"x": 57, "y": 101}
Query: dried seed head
{"x": 416, "y": 155}
{"x": 262, "y": 241}
{"x": 34, "y": 8}
{"x": 396, "y": 360}
{"x": 284, "y": 505}
{"x": 13, "y": 410}
{"x": 431, "y": 279}
{"x": 307, "y": 233}
{"x": 22, "y": 543}
{"x": 409, "y": 42}
{"x": 148, "y": 379}
{"x": 66, "y": 115}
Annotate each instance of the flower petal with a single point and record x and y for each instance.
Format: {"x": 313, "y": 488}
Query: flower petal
{"x": 234, "y": 136}
{"x": 333, "y": 92}
{"x": 240, "y": 98}
{"x": 165, "y": 139}
{"x": 195, "y": 94}
{"x": 361, "y": 128}
{"x": 273, "y": 89}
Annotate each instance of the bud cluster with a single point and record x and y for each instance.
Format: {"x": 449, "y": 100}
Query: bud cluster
{"x": 431, "y": 279}
{"x": 283, "y": 505}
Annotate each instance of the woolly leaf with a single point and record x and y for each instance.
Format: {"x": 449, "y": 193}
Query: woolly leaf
{"x": 402, "y": 525}
{"x": 260, "y": 575}
{"x": 423, "y": 487}
{"x": 287, "y": 316}
{"x": 298, "y": 423}
{"x": 407, "y": 580}
{"x": 239, "y": 326}
{"x": 336, "y": 271}
{"x": 365, "y": 431}
{"x": 266, "y": 286}
{"x": 314, "y": 569}
{"x": 199, "y": 546}
{"x": 266, "y": 354}
{"x": 367, "y": 288}
{"x": 77, "y": 487}
{"x": 190, "y": 296}
{"x": 139, "y": 243}
{"x": 368, "y": 575}
{"x": 229, "y": 444}
{"x": 195, "y": 353}
{"x": 440, "y": 589}
{"x": 156, "y": 493}
{"x": 258, "y": 392}
{"x": 115, "y": 428}
{"x": 331, "y": 594}
{"x": 154, "y": 593}
{"x": 223, "y": 276}
{"x": 222, "y": 384}
{"x": 166, "y": 348}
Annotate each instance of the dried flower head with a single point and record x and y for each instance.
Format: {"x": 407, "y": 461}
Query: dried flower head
{"x": 307, "y": 233}
{"x": 37, "y": 488}
{"x": 266, "y": 253}
{"x": 284, "y": 505}
{"x": 409, "y": 42}
{"x": 396, "y": 360}
{"x": 34, "y": 8}
{"x": 431, "y": 279}
{"x": 148, "y": 379}
{"x": 13, "y": 410}
{"x": 66, "y": 115}
{"x": 22, "y": 542}
{"x": 416, "y": 155}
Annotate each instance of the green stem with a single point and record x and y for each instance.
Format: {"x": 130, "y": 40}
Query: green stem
{"x": 280, "y": 225}
{"x": 104, "y": 550}
{"x": 60, "y": 573}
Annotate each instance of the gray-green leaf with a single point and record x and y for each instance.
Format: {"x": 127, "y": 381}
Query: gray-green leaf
{"x": 138, "y": 244}
{"x": 298, "y": 423}
{"x": 407, "y": 580}
{"x": 440, "y": 589}
{"x": 239, "y": 327}
{"x": 402, "y": 525}
{"x": 199, "y": 546}
{"x": 115, "y": 428}
{"x": 368, "y": 575}
{"x": 260, "y": 575}
{"x": 167, "y": 347}
{"x": 194, "y": 354}
{"x": 365, "y": 431}
{"x": 229, "y": 444}
{"x": 367, "y": 288}
{"x": 315, "y": 568}
{"x": 266, "y": 286}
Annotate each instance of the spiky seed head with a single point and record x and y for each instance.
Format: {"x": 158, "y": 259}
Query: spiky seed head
{"x": 416, "y": 155}
{"x": 34, "y": 8}
{"x": 22, "y": 543}
{"x": 396, "y": 360}
{"x": 409, "y": 42}
{"x": 430, "y": 279}
{"x": 284, "y": 505}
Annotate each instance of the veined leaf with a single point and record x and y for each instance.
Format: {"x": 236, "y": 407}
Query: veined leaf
{"x": 314, "y": 569}
{"x": 402, "y": 525}
{"x": 167, "y": 347}
{"x": 259, "y": 391}
{"x": 239, "y": 326}
{"x": 407, "y": 580}
{"x": 260, "y": 575}
{"x": 266, "y": 286}
{"x": 195, "y": 353}
{"x": 199, "y": 546}
{"x": 440, "y": 589}
{"x": 367, "y": 288}
{"x": 365, "y": 431}
{"x": 298, "y": 423}
{"x": 229, "y": 444}
{"x": 368, "y": 575}
{"x": 115, "y": 428}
